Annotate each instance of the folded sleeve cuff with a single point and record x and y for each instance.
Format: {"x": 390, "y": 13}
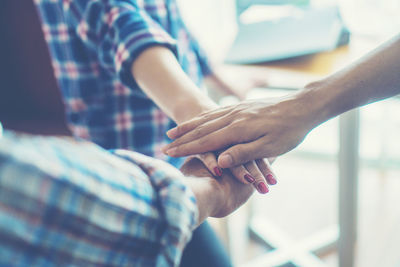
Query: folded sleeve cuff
{"x": 132, "y": 43}
{"x": 176, "y": 201}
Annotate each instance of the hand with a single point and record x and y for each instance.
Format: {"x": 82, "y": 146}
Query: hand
{"x": 214, "y": 197}
{"x": 257, "y": 172}
{"x": 256, "y": 129}
{"x": 219, "y": 197}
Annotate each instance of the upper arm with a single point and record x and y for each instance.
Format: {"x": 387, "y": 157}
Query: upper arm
{"x": 119, "y": 31}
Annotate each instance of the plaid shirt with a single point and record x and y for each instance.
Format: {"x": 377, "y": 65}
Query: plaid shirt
{"x": 64, "y": 202}
{"x": 93, "y": 44}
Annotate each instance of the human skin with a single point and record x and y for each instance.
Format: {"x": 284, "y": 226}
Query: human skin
{"x": 215, "y": 197}
{"x": 158, "y": 73}
{"x": 271, "y": 127}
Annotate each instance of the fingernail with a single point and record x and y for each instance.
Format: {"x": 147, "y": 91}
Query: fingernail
{"x": 262, "y": 188}
{"x": 218, "y": 171}
{"x": 172, "y": 133}
{"x": 225, "y": 161}
{"x": 271, "y": 179}
{"x": 171, "y": 151}
{"x": 249, "y": 178}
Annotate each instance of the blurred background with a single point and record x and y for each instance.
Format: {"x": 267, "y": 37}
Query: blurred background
{"x": 290, "y": 43}
{"x": 298, "y": 219}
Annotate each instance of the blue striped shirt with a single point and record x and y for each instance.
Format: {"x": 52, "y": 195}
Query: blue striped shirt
{"x": 66, "y": 202}
{"x": 93, "y": 44}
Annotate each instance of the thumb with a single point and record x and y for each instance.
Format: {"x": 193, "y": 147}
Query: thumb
{"x": 240, "y": 154}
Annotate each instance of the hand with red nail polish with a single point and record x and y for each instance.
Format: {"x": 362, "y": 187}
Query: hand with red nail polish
{"x": 254, "y": 172}
{"x": 257, "y": 172}
{"x": 210, "y": 161}
{"x": 223, "y": 195}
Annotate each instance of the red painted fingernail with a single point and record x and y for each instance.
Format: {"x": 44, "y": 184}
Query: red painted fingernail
{"x": 218, "y": 171}
{"x": 271, "y": 179}
{"x": 249, "y": 178}
{"x": 262, "y": 188}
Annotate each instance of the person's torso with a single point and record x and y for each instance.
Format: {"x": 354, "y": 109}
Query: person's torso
{"x": 99, "y": 107}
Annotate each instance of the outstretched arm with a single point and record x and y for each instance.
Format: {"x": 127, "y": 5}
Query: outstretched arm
{"x": 160, "y": 76}
{"x": 268, "y": 128}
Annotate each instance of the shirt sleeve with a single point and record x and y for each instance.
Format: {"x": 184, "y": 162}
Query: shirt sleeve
{"x": 72, "y": 203}
{"x": 120, "y": 30}
{"x": 201, "y": 55}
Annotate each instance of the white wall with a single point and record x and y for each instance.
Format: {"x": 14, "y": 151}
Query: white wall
{"x": 213, "y": 22}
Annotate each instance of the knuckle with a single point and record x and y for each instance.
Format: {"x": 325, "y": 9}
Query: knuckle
{"x": 204, "y": 114}
{"x": 259, "y": 178}
{"x": 204, "y": 142}
{"x": 238, "y": 171}
{"x": 262, "y": 165}
{"x": 210, "y": 159}
{"x": 183, "y": 150}
{"x": 207, "y": 158}
{"x": 181, "y": 129}
{"x": 239, "y": 154}
{"x": 237, "y": 125}
{"x": 256, "y": 173}
{"x": 179, "y": 150}
{"x": 198, "y": 132}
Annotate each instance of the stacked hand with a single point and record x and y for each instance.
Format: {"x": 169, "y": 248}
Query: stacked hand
{"x": 225, "y": 194}
{"x": 251, "y": 130}
{"x": 257, "y": 172}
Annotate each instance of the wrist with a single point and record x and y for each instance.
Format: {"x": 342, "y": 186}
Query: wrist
{"x": 315, "y": 103}
{"x": 188, "y": 108}
{"x": 208, "y": 196}
{"x": 207, "y": 191}
{"x": 214, "y": 196}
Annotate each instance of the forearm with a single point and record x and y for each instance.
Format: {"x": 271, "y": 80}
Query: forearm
{"x": 372, "y": 78}
{"x": 160, "y": 76}
{"x": 205, "y": 189}
{"x": 206, "y": 196}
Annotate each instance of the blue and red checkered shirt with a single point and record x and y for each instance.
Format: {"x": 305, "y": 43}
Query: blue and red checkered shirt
{"x": 69, "y": 203}
{"x": 93, "y": 44}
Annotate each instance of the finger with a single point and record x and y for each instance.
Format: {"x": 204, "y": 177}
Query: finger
{"x": 201, "y": 131}
{"x": 217, "y": 140}
{"x": 188, "y": 126}
{"x": 260, "y": 182}
{"x": 265, "y": 167}
{"x": 210, "y": 161}
{"x": 242, "y": 153}
{"x": 242, "y": 174}
{"x": 271, "y": 160}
